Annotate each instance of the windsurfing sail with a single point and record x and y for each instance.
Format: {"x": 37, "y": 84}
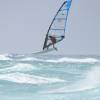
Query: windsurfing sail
{"x": 58, "y": 25}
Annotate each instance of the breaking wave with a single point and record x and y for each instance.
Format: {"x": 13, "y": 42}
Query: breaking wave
{"x": 91, "y": 81}
{"x": 61, "y": 60}
{"x": 28, "y": 79}
{"x": 74, "y": 60}
{"x": 4, "y": 57}
{"x": 31, "y": 59}
{"x": 19, "y": 67}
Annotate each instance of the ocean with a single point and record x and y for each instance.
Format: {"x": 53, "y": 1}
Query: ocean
{"x": 49, "y": 77}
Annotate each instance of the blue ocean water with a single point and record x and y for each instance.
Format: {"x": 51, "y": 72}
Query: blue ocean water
{"x": 49, "y": 77}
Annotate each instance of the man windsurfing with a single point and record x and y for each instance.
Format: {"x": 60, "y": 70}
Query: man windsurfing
{"x": 56, "y": 31}
{"x": 53, "y": 41}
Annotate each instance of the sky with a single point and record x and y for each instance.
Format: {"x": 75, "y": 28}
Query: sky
{"x": 24, "y": 24}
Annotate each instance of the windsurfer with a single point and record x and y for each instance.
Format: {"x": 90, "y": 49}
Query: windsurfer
{"x": 53, "y": 40}
{"x": 56, "y": 31}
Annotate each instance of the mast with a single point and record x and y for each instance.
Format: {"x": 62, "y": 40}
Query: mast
{"x": 58, "y": 24}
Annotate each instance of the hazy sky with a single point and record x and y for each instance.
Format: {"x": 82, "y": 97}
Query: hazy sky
{"x": 24, "y": 23}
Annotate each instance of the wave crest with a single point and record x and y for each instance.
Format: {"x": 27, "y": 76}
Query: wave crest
{"x": 4, "y": 57}
{"x": 61, "y": 60}
{"x": 91, "y": 81}
{"x": 19, "y": 67}
{"x": 74, "y": 60}
{"x": 28, "y": 79}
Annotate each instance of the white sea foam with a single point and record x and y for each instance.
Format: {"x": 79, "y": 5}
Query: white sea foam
{"x": 30, "y": 59}
{"x": 28, "y": 79}
{"x": 65, "y": 59}
{"x": 91, "y": 81}
{"x": 19, "y": 67}
{"x": 74, "y": 60}
{"x": 4, "y": 57}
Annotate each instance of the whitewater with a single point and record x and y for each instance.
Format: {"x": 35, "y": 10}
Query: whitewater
{"x": 49, "y": 77}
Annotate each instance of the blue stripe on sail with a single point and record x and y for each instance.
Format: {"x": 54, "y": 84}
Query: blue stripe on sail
{"x": 68, "y": 4}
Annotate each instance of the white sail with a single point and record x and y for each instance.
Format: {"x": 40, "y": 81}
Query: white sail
{"x": 58, "y": 24}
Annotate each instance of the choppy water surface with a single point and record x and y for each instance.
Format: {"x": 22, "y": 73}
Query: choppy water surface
{"x": 30, "y": 77}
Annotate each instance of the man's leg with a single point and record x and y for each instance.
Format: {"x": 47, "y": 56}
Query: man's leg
{"x": 54, "y": 47}
{"x": 49, "y": 45}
